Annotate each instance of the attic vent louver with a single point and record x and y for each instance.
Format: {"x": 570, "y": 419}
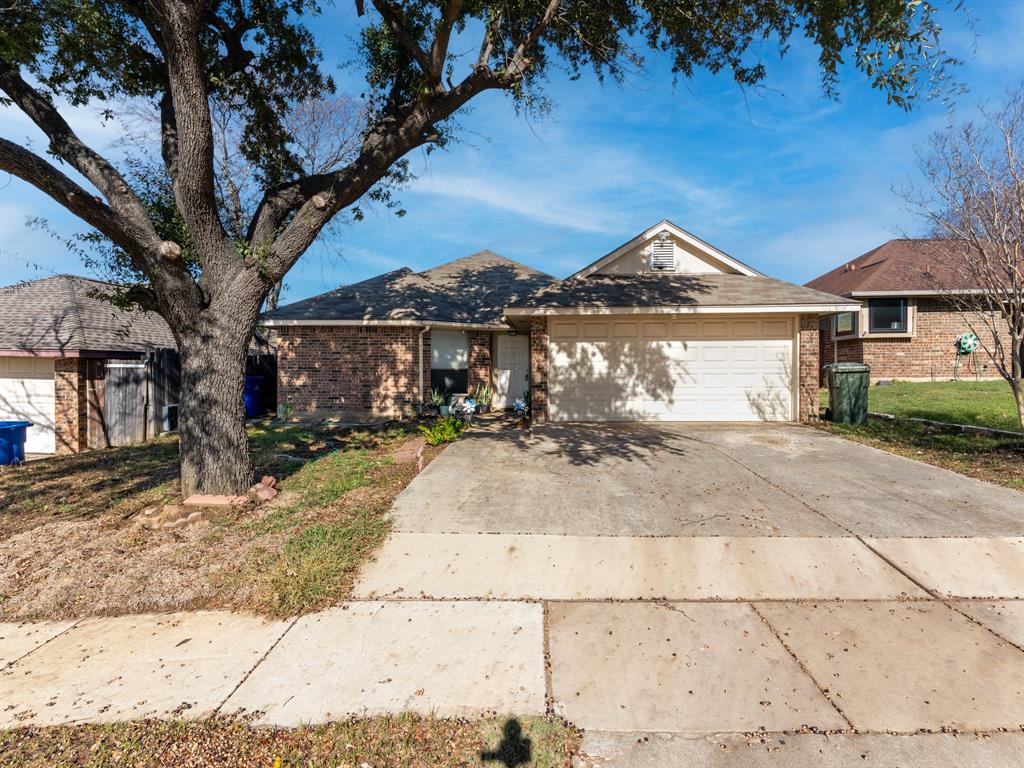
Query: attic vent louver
{"x": 663, "y": 253}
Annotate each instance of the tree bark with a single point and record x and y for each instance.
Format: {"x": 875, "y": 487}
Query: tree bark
{"x": 211, "y": 419}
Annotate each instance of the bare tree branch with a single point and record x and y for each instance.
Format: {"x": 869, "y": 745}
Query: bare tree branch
{"x": 973, "y": 199}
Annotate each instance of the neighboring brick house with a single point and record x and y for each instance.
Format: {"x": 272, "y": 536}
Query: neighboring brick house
{"x": 58, "y": 339}
{"x": 907, "y": 324}
{"x": 665, "y": 327}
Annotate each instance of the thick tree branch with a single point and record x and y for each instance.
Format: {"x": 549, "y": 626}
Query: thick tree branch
{"x": 520, "y": 61}
{"x": 42, "y": 175}
{"x": 392, "y": 16}
{"x": 442, "y": 36}
{"x": 65, "y": 144}
{"x": 188, "y": 131}
{"x": 316, "y": 199}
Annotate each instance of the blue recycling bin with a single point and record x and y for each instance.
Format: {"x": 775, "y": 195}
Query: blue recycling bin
{"x": 253, "y": 396}
{"x": 12, "y": 441}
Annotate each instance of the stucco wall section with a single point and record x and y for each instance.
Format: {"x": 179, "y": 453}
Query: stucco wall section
{"x": 71, "y": 425}
{"x": 539, "y": 369}
{"x": 809, "y": 369}
{"x": 351, "y": 369}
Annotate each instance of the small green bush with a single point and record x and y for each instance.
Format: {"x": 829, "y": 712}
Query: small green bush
{"x": 443, "y": 431}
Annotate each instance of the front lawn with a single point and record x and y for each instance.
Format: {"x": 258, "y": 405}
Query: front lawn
{"x": 997, "y": 460}
{"x": 980, "y": 403}
{"x": 403, "y": 740}
{"x": 69, "y": 546}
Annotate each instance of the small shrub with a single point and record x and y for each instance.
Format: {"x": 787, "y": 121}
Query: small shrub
{"x": 443, "y": 431}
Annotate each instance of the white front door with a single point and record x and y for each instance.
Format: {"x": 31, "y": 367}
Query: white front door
{"x": 511, "y": 369}
{"x": 27, "y": 394}
{"x": 712, "y": 368}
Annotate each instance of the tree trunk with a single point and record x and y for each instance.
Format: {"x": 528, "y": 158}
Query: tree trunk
{"x": 211, "y": 417}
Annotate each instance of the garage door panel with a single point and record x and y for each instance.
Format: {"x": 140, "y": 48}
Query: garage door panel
{"x": 27, "y": 393}
{"x": 714, "y": 376}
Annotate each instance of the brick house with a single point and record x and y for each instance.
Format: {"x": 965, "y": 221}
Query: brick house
{"x": 906, "y": 325}
{"x": 665, "y": 327}
{"x": 58, "y": 339}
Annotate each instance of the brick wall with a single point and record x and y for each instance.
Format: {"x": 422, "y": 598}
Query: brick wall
{"x": 351, "y": 369}
{"x": 71, "y": 407}
{"x": 928, "y": 354}
{"x": 826, "y": 349}
{"x": 539, "y": 369}
{"x": 809, "y": 368}
{"x": 478, "y": 348}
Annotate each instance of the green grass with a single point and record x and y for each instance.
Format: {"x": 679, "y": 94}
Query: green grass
{"x": 407, "y": 740}
{"x": 327, "y": 539}
{"x": 982, "y": 403}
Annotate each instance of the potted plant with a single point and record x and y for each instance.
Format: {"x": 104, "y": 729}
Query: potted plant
{"x": 445, "y": 408}
{"x": 483, "y": 396}
{"x": 435, "y": 402}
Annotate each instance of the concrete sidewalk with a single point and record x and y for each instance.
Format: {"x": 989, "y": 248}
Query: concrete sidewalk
{"x": 684, "y": 667}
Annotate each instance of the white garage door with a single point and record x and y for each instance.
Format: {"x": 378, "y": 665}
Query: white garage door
{"x": 27, "y": 393}
{"x": 652, "y": 369}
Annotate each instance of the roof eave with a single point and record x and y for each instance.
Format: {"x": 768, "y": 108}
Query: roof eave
{"x": 684, "y": 309}
{"x": 406, "y": 323}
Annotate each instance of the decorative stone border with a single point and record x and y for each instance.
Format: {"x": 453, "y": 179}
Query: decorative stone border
{"x": 967, "y": 429}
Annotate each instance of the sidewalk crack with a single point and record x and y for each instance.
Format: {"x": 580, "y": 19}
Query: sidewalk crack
{"x": 823, "y": 691}
{"x": 259, "y": 661}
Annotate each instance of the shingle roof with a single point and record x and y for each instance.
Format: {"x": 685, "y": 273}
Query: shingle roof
{"x": 898, "y": 265}
{"x": 711, "y": 290}
{"x": 63, "y": 313}
{"x": 472, "y": 290}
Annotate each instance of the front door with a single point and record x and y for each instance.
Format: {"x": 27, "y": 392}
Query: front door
{"x": 511, "y": 369}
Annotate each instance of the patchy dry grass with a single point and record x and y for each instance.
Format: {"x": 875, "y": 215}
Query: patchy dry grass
{"x": 68, "y": 547}
{"x": 997, "y": 460}
{"x": 404, "y": 740}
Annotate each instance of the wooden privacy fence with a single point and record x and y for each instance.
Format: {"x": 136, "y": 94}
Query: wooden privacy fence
{"x": 133, "y": 400}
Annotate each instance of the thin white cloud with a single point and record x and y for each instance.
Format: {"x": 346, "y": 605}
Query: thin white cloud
{"x": 542, "y": 203}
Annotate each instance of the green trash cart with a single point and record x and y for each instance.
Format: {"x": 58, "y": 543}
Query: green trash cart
{"x": 848, "y": 392}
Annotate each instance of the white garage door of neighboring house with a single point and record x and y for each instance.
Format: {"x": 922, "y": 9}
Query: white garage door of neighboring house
{"x": 27, "y": 393}
{"x": 653, "y": 369}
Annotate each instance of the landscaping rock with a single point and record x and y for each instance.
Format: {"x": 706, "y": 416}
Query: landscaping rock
{"x": 210, "y": 500}
{"x": 409, "y": 451}
{"x": 266, "y": 493}
{"x": 268, "y": 482}
{"x": 168, "y": 517}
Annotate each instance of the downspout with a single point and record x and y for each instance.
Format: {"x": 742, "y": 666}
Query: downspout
{"x": 425, "y": 329}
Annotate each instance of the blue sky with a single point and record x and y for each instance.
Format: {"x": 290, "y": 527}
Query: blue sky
{"x": 781, "y": 178}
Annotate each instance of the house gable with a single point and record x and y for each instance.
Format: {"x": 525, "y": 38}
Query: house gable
{"x": 666, "y": 249}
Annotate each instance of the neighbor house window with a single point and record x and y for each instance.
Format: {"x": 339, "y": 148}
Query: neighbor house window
{"x": 846, "y": 323}
{"x": 887, "y": 316}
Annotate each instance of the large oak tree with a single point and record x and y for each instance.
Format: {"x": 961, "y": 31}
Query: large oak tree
{"x": 263, "y": 57}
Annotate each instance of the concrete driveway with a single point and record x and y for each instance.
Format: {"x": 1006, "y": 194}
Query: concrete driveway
{"x": 697, "y": 580}
{"x": 688, "y": 480}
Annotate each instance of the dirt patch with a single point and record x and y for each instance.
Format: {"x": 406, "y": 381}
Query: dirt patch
{"x": 72, "y": 560}
{"x": 410, "y": 741}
